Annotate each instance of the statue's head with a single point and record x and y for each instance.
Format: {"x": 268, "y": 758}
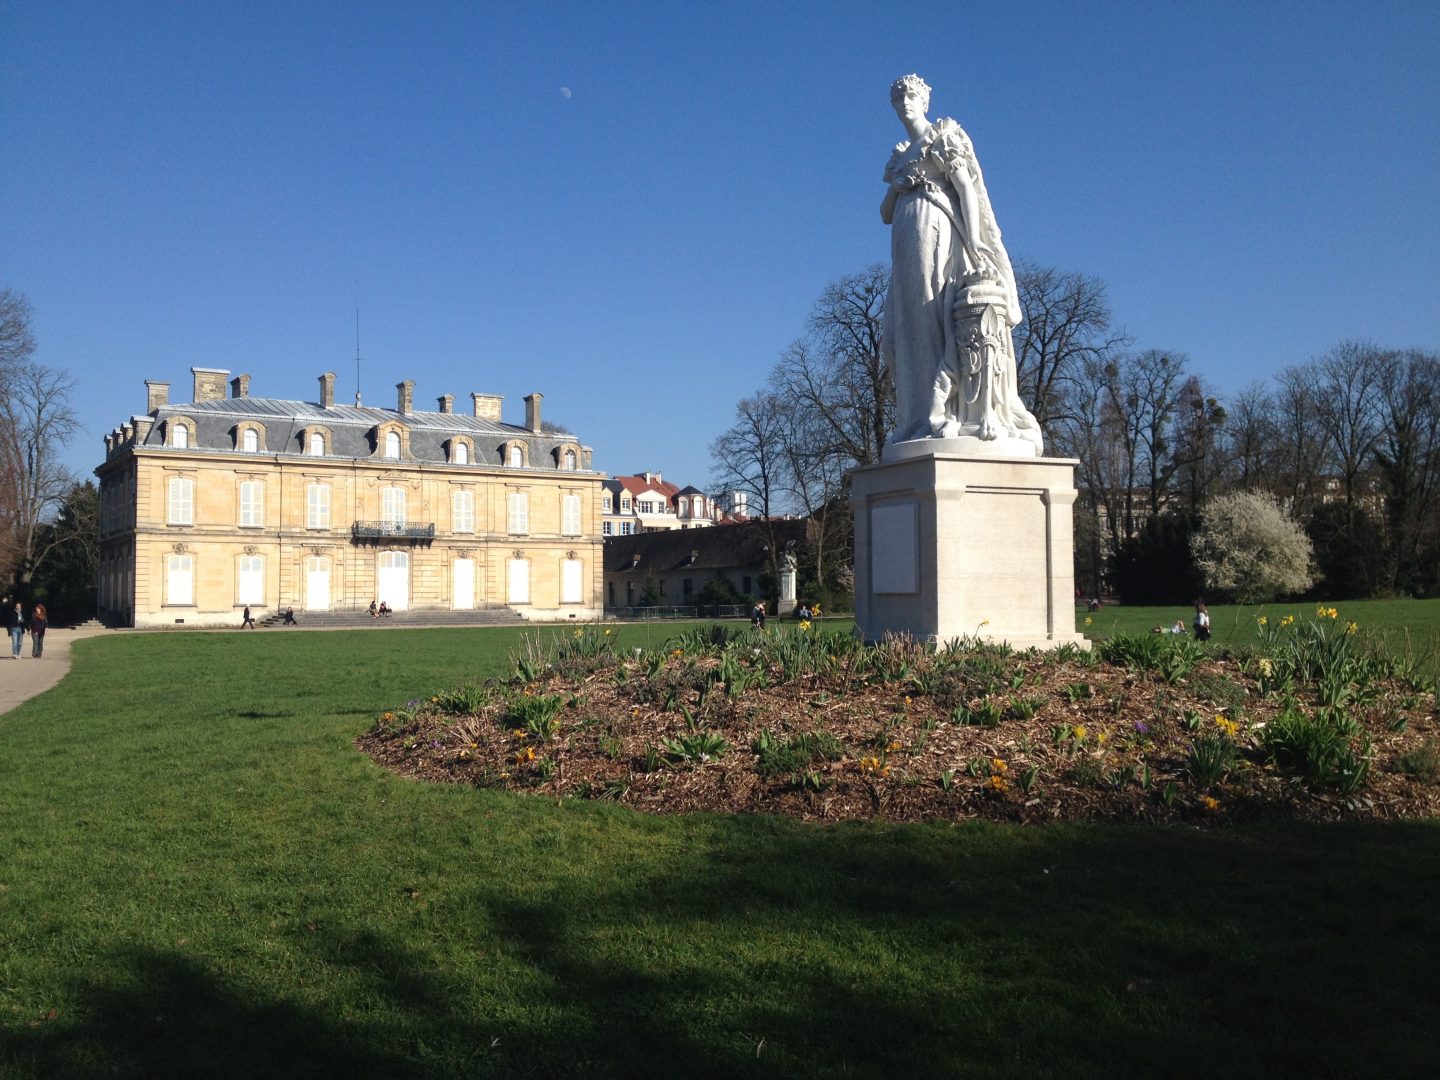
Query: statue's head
{"x": 910, "y": 84}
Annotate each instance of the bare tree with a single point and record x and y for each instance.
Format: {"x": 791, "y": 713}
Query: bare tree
{"x": 1302, "y": 448}
{"x": 1066, "y": 326}
{"x": 1199, "y": 454}
{"x": 836, "y": 375}
{"x": 1143, "y": 393}
{"x": 17, "y": 343}
{"x": 1345, "y": 385}
{"x": 36, "y": 421}
{"x": 1251, "y": 441}
{"x": 1408, "y": 455}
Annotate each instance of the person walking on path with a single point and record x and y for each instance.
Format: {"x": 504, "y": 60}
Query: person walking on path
{"x": 247, "y": 621}
{"x": 15, "y": 622}
{"x": 38, "y": 625}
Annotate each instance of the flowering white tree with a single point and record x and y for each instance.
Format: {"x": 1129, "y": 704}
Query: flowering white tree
{"x": 1250, "y": 549}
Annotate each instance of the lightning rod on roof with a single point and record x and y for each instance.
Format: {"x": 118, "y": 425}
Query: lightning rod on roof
{"x": 357, "y": 345}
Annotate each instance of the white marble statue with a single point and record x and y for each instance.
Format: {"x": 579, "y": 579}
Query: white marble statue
{"x": 952, "y": 299}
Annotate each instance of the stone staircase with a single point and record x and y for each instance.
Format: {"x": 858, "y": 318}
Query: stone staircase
{"x": 484, "y": 615}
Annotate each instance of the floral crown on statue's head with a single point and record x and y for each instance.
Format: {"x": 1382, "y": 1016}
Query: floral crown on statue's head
{"x": 910, "y": 82}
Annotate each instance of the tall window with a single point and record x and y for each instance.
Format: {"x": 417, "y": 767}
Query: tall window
{"x": 461, "y": 454}
{"x": 569, "y": 463}
{"x": 625, "y": 504}
{"x": 317, "y": 506}
{"x": 570, "y": 515}
{"x": 607, "y": 527}
{"x": 517, "y": 577}
{"x": 317, "y": 444}
{"x": 626, "y": 528}
{"x": 392, "y": 505}
{"x": 180, "y": 579}
{"x": 572, "y": 581}
{"x": 463, "y": 511}
{"x": 180, "y": 436}
{"x": 250, "y": 440}
{"x": 180, "y": 501}
{"x": 252, "y": 504}
{"x": 251, "y": 581}
{"x": 605, "y": 503}
{"x": 515, "y": 457}
{"x": 519, "y": 513}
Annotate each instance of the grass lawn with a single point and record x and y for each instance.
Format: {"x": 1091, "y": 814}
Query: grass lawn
{"x": 1401, "y": 623}
{"x": 199, "y": 875}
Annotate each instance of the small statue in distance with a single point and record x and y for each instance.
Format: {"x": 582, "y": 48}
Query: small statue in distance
{"x": 952, "y": 301}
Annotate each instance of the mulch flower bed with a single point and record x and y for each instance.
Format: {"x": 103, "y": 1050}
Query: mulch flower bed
{"x": 818, "y": 727}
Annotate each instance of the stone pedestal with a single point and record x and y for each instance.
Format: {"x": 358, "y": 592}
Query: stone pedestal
{"x": 951, "y": 545}
{"x": 787, "y": 587}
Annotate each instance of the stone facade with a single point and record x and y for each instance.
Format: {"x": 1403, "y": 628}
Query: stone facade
{"x": 217, "y": 503}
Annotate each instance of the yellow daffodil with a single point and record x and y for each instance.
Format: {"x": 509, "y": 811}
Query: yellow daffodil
{"x": 1351, "y": 628}
{"x": 1210, "y": 802}
{"x": 804, "y": 625}
{"x": 1229, "y": 727}
{"x": 1088, "y": 620}
{"x": 1100, "y": 737}
{"x": 998, "y": 766}
{"x": 1263, "y": 621}
{"x": 1080, "y": 731}
{"x": 997, "y": 785}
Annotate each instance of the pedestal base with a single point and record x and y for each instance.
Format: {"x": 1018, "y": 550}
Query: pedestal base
{"x": 950, "y": 547}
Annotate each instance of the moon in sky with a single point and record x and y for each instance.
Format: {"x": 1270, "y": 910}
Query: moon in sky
{"x": 565, "y": 93}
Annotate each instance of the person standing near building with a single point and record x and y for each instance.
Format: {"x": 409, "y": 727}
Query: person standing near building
{"x": 247, "y": 621}
{"x": 15, "y": 623}
{"x": 38, "y": 625}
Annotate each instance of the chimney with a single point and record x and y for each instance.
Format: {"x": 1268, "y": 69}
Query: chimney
{"x": 532, "y": 412}
{"x": 142, "y": 428}
{"x": 157, "y": 395}
{"x": 209, "y": 383}
{"x": 127, "y": 432}
{"x": 109, "y": 444}
{"x": 327, "y": 390}
{"x": 585, "y": 453}
{"x": 447, "y": 403}
{"x": 487, "y": 406}
{"x": 405, "y": 397}
{"x": 240, "y": 386}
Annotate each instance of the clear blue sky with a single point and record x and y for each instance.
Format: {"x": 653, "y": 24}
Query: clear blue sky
{"x": 631, "y": 208}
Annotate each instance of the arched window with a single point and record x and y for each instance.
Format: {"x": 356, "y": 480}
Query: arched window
{"x": 460, "y": 454}
{"x": 515, "y": 457}
{"x": 180, "y": 436}
{"x": 569, "y": 464}
{"x": 250, "y": 441}
{"x": 317, "y": 444}
{"x": 392, "y": 444}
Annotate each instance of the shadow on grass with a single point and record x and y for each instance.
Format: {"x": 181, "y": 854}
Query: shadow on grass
{"x": 771, "y": 949}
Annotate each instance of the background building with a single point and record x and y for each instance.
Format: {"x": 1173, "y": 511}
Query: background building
{"x": 647, "y": 502}
{"x": 223, "y": 502}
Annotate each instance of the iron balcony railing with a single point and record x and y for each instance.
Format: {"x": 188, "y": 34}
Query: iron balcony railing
{"x": 393, "y": 530}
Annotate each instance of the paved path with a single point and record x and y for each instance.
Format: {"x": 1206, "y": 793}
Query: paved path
{"x": 22, "y": 679}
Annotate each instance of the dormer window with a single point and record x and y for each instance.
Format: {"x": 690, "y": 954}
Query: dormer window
{"x": 316, "y": 447}
{"x": 392, "y": 445}
{"x": 461, "y": 454}
{"x": 569, "y": 463}
{"x": 250, "y": 440}
{"x": 180, "y": 437}
{"x": 515, "y": 456}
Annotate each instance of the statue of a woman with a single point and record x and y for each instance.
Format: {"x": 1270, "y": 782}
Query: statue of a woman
{"x": 952, "y": 299}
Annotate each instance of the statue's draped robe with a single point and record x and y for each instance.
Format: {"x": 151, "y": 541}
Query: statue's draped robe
{"x": 928, "y": 262}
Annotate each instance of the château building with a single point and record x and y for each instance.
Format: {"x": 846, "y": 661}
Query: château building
{"x": 224, "y": 502}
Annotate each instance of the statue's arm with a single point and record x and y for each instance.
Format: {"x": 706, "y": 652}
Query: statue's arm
{"x": 887, "y": 207}
{"x": 973, "y": 239}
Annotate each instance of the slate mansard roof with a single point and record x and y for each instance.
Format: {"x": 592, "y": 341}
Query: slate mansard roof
{"x": 351, "y": 429}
